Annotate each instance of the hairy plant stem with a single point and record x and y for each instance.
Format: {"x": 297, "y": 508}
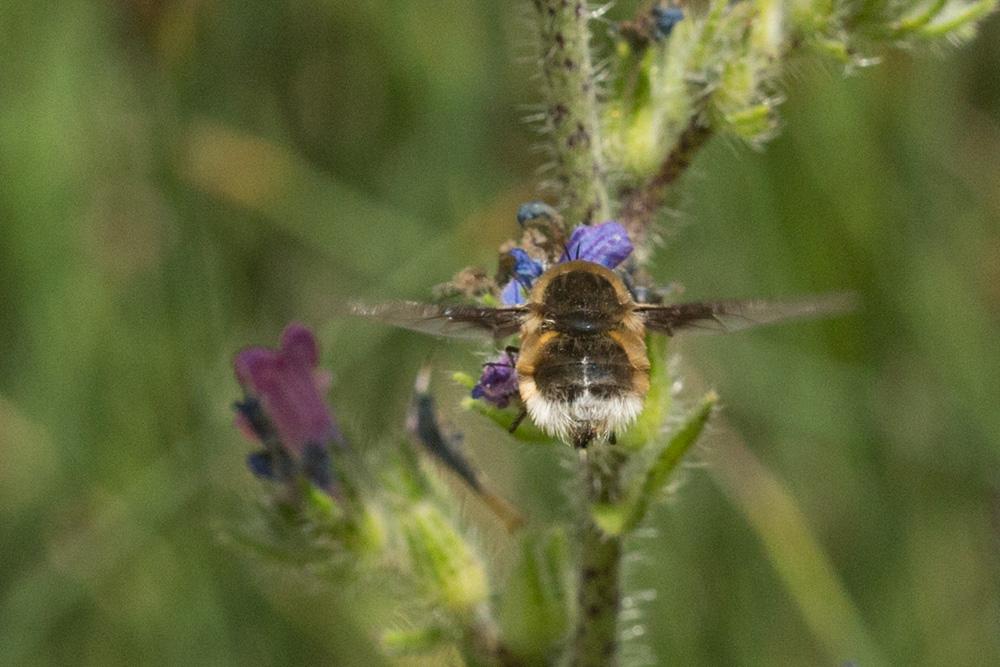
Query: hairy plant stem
{"x": 571, "y": 109}
{"x": 481, "y": 645}
{"x": 639, "y": 207}
{"x": 595, "y": 641}
{"x": 573, "y": 120}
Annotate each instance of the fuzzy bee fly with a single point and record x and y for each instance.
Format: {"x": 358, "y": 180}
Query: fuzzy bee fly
{"x": 582, "y": 367}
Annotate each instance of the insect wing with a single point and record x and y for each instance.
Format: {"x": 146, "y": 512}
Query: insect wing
{"x": 729, "y": 316}
{"x": 456, "y": 321}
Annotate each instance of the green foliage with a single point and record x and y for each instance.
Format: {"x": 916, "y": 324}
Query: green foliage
{"x": 417, "y": 641}
{"x": 722, "y": 66}
{"x": 181, "y": 179}
{"x": 535, "y": 603}
{"x": 624, "y": 515}
{"x": 442, "y": 560}
{"x": 503, "y": 417}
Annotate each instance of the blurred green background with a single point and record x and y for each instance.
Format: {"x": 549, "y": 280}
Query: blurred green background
{"x": 182, "y": 177}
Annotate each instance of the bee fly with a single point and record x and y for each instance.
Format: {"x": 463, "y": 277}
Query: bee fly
{"x": 582, "y": 368}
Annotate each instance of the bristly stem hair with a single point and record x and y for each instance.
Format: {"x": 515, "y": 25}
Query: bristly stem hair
{"x": 571, "y": 113}
{"x": 573, "y": 121}
{"x": 599, "y": 594}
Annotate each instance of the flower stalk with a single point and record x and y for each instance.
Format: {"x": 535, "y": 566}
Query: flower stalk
{"x": 595, "y": 639}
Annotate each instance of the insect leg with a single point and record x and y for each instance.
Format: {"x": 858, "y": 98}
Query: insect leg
{"x": 517, "y": 420}
{"x": 582, "y": 438}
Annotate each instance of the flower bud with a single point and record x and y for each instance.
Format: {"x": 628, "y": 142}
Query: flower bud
{"x": 442, "y": 560}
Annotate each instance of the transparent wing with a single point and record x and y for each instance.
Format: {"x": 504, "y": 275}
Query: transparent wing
{"x": 456, "y": 321}
{"x": 728, "y": 316}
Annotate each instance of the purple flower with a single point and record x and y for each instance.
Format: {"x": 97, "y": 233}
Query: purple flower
{"x": 284, "y": 408}
{"x": 498, "y": 383}
{"x": 607, "y": 244}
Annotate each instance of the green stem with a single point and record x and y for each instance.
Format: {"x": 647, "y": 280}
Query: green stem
{"x": 571, "y": 109}
{"x": 481, "y": 644}
{"x": 638, "y": 210}
{"x": 598, "y": 586}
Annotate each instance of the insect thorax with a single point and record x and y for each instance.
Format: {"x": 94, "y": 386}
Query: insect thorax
{"x": 582, "y": 298}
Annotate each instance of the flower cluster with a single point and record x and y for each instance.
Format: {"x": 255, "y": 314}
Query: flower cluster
{"x": 498, "y": 382}
{"x": 284, "y": 411}
{"x": 606, "y": 244}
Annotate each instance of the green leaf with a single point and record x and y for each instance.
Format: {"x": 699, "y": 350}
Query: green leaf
{"x": 442, "y": 560}
{"x": 650, "y": 423}
{"x": 534, "y": 609}
{"x": 415, "y": 641}
{"x": 918, "y": 17}
{"x": 611, "y": 517}
{"x": 321, "y": 505}
{"x": 463, "y": 380}
{"x": 957, "y": 17}
{"x": 623, "y": 517}
{"x": 526, "y": 432}
{"x": 752, "y": 122}
{"x": 368, "y": 536}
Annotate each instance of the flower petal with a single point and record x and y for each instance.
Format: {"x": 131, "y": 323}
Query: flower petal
{"x": 513, "y": 294}
{"x": 498, "y": 382}
{"x": 261, "y": 465}
{"x": 606, "y": 244}
{"x": 317, "y": 466}
{"x": 298, "y": 343}
{"x": 534, "y": 210}
{"x": 285, "y": 385}
{"x": 526, "y": 269}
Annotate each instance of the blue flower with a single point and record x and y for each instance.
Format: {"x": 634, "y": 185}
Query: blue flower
{"x": 498, "y": 383}
{"x": 526, "y": 271}
{"x": 513, "y": 294}
{"x": 606, "y": 244}
{"x": 534, "y": 210}
{"x": 664, "y": 20}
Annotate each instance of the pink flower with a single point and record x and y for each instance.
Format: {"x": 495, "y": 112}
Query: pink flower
{"x": 284, "y": 408}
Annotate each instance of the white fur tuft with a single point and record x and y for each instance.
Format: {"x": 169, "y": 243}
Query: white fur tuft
{"x": 602, "y": 415}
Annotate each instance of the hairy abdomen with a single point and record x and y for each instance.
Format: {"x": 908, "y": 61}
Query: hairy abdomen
{"x": 584, "y": 387}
